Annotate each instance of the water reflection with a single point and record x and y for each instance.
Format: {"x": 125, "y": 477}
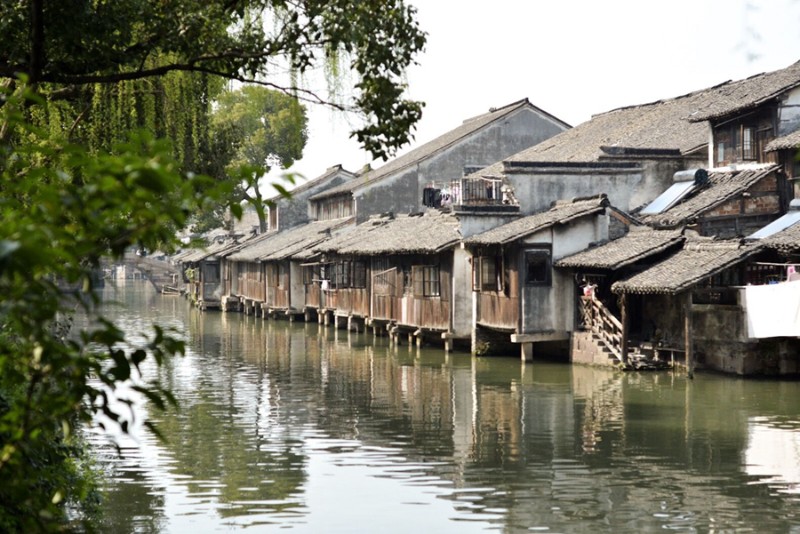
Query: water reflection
{"x": 293, "y": 425}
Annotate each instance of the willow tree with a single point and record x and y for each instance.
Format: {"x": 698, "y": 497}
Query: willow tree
{"x": 65, "y": 46}
{"x": 67, "y": 202}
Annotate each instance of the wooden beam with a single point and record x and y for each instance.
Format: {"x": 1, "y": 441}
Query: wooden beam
{"x": 625, "y": 320}
{"x": 555, "y": 335}
{"x": 687, "y": 331}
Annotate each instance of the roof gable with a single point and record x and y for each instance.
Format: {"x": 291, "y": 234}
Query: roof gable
{"x": 427, "y": 150}
{"x": 329, "y": 173}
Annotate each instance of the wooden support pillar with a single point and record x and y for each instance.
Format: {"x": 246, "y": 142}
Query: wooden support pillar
{"x": 448, "y": 343}
{"x": 626, "y": 327}
{"x": 687, "y": 332}
{"x": 526, "y": 351}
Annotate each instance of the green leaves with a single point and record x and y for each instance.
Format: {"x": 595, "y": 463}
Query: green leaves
{"x": 85, "y": 43}
{"x": 83, "y": 178}
{"x": 64, "y": 210}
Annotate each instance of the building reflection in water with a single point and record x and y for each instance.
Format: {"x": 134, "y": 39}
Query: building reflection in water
{"x": 270, "y": 409}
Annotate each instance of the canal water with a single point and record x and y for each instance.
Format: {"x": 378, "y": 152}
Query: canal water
{"x": 301, "y": 428}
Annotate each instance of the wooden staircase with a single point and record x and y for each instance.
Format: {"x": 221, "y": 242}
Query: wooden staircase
{"x": 606, "y": 332}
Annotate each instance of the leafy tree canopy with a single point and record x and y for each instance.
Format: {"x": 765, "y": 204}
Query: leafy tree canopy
{"x": 253, "y": 129}
{"x": 71, "y": 193}
{"x": 71, "y": 43}
{"x": 64, "y": 209}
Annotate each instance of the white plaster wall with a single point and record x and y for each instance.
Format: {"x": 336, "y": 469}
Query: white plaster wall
{"x": 553, "y": 308}
{"x": 401, "y": 191}
{"x": 472, "y": 224}
{"x": 462, "y": 309}
{"x": 626, "y": 189}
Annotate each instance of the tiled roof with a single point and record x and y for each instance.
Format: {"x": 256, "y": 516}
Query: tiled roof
{"x": 432, "y": 147}
{"x": 640, "y": 242}
{"x": 674, "y": 124}
{"x": 735, "y": 97}
{"x": 214, "y": 249}
{"x": 784, "y": 142}
{"x": 281, "y": 245}
{"x": 722, "y": 186}
{"x": 562, "y": 212}
{"x": 699, "y": 259}
{"x": 785, "y": 241}
{"x": 657, "y": 126}
{"x": 425, "y": 233}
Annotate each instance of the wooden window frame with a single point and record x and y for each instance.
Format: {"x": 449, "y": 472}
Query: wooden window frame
{"x": 487, "y": 274}
{"x": 427, "y": 281}
{"x": 359, "y": 274}
{"x": 748, "y": 152}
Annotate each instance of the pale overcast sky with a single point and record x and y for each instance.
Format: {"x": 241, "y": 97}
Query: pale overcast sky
{"x": 572, "y": 59}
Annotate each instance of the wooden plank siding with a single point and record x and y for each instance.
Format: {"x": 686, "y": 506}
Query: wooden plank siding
{"x": 496, "y": 280}
{"x": 414, "y": 291}
{"x": 312, "y": 289}
{"x": 498, "y": 311}
{"x": 348, "y": 301}
{"x": 210, "y": 280}
{"x": 337, "y": 207}
{"x": 251, "y": 281}
{"x": 745, "y": 139}
{"x": 432, "y": 313}
{"x": 277, "y": 286}
{"x": 387, "y": 289}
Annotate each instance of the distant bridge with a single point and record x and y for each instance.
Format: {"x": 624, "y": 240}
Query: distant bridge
{"x": 164, "y": 276}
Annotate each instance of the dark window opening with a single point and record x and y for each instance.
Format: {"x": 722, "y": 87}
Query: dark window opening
{"x": 537, "y": 267}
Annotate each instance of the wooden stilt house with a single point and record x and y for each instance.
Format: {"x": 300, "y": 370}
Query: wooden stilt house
{"x": 598, "y": 337}
{"x": 519, "y": 299}
{"x": 269, "y": 281}
{"x": 691, "y": 305}
{"x": 394, "y": 272}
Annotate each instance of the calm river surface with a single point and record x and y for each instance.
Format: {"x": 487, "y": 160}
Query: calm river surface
{"x": 302, "y": 428}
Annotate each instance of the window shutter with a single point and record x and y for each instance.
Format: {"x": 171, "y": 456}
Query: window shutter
{"x": 417, "y": 278}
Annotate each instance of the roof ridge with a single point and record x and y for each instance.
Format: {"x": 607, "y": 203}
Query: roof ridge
{"x": 492, "y": 110}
